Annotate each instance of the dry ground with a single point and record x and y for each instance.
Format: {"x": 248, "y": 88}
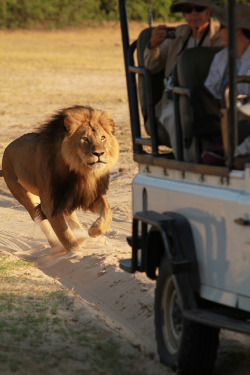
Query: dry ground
{"x": 84, "y": 298}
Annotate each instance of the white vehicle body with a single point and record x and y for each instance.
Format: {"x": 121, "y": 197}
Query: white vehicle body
{"x": 211, "y": 205}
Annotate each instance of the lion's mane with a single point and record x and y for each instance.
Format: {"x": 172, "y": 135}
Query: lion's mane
{"x": 70, "y": 189}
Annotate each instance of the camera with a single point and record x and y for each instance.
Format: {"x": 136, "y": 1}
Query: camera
{"x": 170, "y": 32}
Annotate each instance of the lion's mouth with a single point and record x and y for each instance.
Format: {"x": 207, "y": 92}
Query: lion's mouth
{"x": 97, "y": 162}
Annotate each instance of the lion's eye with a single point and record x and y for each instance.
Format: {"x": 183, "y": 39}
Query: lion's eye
{"x": 84, "y": 139}
{"x": 103, "y": 138}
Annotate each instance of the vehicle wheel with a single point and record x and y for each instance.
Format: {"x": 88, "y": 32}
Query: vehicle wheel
{"x": 182, "y": 344}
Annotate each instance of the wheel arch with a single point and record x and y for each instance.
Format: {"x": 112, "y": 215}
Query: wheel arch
{"x": 171, "y": 236}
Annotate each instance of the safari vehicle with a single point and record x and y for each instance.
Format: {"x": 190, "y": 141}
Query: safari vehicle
{"x": 191, "y": 221}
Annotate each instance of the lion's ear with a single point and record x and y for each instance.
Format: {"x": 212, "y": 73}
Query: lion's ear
{"x": 112, "y": 125}
{"x": 70, "y": 124}
{"x": 108, "y": 122}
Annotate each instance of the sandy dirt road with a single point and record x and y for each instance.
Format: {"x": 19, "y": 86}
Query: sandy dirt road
{"x": 41, "y": 72}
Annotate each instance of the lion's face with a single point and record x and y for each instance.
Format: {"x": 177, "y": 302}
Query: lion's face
{"x": 92, "y": 145}
{"x": 89, "y": 142}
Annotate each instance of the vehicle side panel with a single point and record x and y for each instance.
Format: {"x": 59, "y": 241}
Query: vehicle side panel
{"x": 223, "y": 247}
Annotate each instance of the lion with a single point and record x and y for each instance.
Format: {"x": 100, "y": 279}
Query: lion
{"x": 62, "y": 167}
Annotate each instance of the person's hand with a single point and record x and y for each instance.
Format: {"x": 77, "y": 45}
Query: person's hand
{"x": 158, "y": 35}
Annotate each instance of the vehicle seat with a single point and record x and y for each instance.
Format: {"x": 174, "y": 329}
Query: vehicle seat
{"x": 191, "y": 70}
{"x": 157, "y": 88}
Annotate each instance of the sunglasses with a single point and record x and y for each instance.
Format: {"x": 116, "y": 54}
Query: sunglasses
{"x": 189, "y": 8}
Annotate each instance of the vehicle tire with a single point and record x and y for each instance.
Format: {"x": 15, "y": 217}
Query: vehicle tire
{"x": 187, "y": 346}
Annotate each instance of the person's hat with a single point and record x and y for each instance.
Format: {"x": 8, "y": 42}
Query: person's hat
{"x": 242, "y": 16}
{"x": 178, "y": 6}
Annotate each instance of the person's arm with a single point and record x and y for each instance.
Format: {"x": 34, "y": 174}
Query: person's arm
{"x": 156, "y": 51}
{"x": 159, "y": 34}
{"x": 214, "y": 80}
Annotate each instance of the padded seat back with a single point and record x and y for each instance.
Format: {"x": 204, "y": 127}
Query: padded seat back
{"x": 156, "y": 88}
{"x": 192, "y": 69}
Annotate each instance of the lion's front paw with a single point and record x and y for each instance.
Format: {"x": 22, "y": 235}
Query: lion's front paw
{"x": 94, "y": 231}
{"x": 99, "y": 227}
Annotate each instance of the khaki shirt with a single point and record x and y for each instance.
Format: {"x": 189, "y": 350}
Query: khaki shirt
{"x": 166, "y": 55}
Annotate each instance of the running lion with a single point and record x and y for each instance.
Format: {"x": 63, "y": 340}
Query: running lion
{"x": 62, "y": 167}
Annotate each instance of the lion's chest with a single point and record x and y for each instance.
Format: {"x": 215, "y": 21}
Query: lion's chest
{"x": 77, "y": 192}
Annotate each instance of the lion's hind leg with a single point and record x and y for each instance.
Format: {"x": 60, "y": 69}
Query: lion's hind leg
{"x": 23, "y": 196}
{"x": 32, "y": 203}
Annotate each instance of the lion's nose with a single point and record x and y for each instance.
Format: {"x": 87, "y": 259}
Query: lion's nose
{"x": 98, "y": 154}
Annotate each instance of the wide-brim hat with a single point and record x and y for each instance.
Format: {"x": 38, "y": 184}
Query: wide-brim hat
{"x": 178, "y": 6}
{"x": 242, "y": 16}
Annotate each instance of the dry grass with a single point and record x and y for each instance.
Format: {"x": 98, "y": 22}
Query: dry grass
{"x": 46, "y": 329}
{"x": 43, "y": 71}
{"x": 59, "y": 69}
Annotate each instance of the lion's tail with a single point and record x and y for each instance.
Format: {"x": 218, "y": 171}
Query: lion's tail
{"x": 1, "y": 173}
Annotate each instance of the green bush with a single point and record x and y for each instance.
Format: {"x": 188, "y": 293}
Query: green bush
{"x": 48, "y": 13}
{"x": 62, "y": 13}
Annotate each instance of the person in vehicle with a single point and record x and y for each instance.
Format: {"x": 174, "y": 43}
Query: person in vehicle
{"x": 209, "y": 99}
{"x": 162, "y": 53}
{"x": 242, "y": 154}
